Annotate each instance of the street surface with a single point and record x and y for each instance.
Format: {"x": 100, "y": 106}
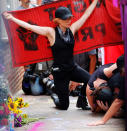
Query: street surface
{"x": 73, "y": 119}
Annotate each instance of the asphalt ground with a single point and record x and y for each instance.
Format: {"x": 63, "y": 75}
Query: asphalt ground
{"x": 73, "y": 119}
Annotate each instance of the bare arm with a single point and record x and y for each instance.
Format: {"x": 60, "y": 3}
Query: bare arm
{"x": 45, "y": 31}
{"x": 108, "y": 71}
{"x": 113, "y": 109}
{"x": 79, "y": 23}
{"x": 90, "y": 98}
{"x": 94, "y": 107}
{"x": 117, "y": 103}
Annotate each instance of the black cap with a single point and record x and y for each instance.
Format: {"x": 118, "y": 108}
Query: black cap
{"x": 120, "y": 64}
{"x": 63, "y": 13}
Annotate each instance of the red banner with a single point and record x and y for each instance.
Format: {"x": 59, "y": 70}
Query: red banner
{"x": 103, "y": 28}
{"x": 112, "y": 53}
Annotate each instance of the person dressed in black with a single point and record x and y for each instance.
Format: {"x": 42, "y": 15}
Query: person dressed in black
{"x": 106, "y": 74}
{"x": 119, "y": 102}
{"x": 62, "y": 41}
{"x": 106, "y": 93}
{"x": 100, "y": 76}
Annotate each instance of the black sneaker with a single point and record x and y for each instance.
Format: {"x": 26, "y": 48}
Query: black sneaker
{"x": 82, "y": 103}
{"x": 79, "y": 102}
{"x": 55, "y": 99}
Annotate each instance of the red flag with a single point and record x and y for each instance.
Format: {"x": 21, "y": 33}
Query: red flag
{"x": 102, "y": 28}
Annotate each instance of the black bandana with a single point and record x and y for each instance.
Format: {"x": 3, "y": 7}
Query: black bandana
{"x": 65, "y": 36}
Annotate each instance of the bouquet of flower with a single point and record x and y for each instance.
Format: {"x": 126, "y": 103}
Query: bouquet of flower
{"x": 14, "y": 106}
{"x": 4, "y": 114}
{"x": 4, "y": 111}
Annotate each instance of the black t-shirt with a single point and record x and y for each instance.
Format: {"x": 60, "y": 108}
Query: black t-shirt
{"x": 115, "y": 81}
{"x": 122, "y": 89}
{"x": 99, "y": 73}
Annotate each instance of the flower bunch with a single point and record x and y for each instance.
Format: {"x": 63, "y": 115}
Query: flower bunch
{"x": 4, "y": 114}
{"x": 4, "y": 111}
{"x": 14, "y": 106}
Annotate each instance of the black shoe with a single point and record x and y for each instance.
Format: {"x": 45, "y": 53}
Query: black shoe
{"x": 79, "y": 102}
{"x": 85, "y": 107}
{"x": 82, "y": 103}
{"x": 55, "y": 99}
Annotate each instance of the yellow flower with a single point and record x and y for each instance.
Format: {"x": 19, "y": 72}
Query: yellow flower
{"x": 10, "y": 100}
{"x": 24, "y": 115}
{"x": 26, "y": 105}
{"x": 20, "y": 105}
{"x": 16, "y": 103}
{"x": 20, "y": 100}
{"x": 18, "y": 111}
{"x": 12, "y": 106}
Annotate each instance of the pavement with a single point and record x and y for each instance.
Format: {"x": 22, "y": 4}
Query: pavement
{"x": 73, "y": 119}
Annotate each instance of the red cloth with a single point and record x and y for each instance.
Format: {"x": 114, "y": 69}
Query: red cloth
{"x": 112, "y": 53}
{"x": 103, "y": 28}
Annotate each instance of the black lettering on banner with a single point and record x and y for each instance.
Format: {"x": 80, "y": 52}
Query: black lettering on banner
{"x": 118, "y": 26}
{"x": 78, "y": 5}
{"x": 28, "y": 38}
{"x": 99, "y": 3}
{"x": 87, "y": 32}
{"x": 50, "y": 12}
{"x": 69, "y": 6}
{"x": 90, "y": 1}
{"x": 101, "y": 28}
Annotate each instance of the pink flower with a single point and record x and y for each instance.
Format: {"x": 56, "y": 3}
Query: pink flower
{"x": 1, "y": 112}
{"x": 6, "y": 110}
{"x": 3, "y": 104}
{"x": 4, "y": 121}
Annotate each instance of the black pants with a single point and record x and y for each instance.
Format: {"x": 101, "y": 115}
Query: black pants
{"x": 61, "y": 81}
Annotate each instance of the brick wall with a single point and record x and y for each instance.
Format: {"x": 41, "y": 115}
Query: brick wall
{"x": 13, "y": 75}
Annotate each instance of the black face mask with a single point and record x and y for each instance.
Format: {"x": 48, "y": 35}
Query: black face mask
{"x": 65, "y": 36}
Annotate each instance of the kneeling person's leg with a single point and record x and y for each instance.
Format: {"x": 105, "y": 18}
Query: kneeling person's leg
{"x": 82, "y": 76}
{"x": 62, "y": 90}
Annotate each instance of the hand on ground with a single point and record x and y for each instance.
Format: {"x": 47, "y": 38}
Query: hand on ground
{"x": 97, "y": 123}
